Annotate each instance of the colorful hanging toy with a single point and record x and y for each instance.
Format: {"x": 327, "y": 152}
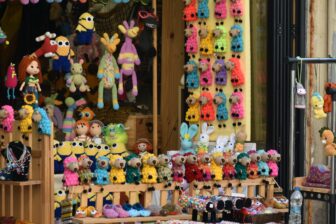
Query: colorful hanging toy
{"x": 191, "y": 45}
{"x": 189, "y": 11}
{"x": 206, "y": 45}
{"x": 220, "y": 9}
{"x": 192, "y": 114}
{"x": 236, "y": 9}
{"x": 205, "y": 72}
{"x": 192, "y": 80}
{"x": 222, "y": 112}
{"x": 186, "y": 137}
{"x": 85, "y": 29}
{"x": 237, "y": 41}
{"x": 237, "y": 105}
{"x": 11, "y": 81}
{"x": 203, "y": 9}
{"x": 328, "y": 138}
{"x": 219, "y": 68}
{"x": 318, "y": 102}
{"x": 207, "y": 108}
{"x": 220, "y": 34}
{"x": 61, "y": 61}
{"x": 237, "y": 75}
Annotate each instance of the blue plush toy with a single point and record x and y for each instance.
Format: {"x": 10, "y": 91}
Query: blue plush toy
{"x": 203, "y": 9}
{"x": 41, "y": 117}
{"x": 192, "y": 80}
{"x": 237, "y": 42}
{"x": 101, "y": 175}
{"x": 222, "y": 112}
{"x": 263, "y": 168}
{"x": 186, "y": 135}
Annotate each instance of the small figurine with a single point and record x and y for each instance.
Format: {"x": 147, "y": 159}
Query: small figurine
{"x": 117, "y": 173}
{"x": 192, "y": 171}
{"x": 53, "y": 111}
{"x": 26, "y": 113}
{"x": 61, "y": 61}
{"x": 220, "y": 35}
{"x": 237, "y": 105}
{"x": 11, "y": 81}
{"x": 219, "y": 68}
{"x": 190, "y": 11}
{"x": 71, "y": 177}
{"x": 142, "y": 145}
{"x": 82, "y": 130}
{"x": 317, "y": 102}
{"x": 237, "y": 10}
{"x": 96, "y": 129}
{"x": 91, "y": 150}
{"x": 328, "y": 138}
{"x": 40, "y": 116}
{"x": 84, "y": 29}
{"x": 272, "y": 163}
{"x": 133, "y": 164}
{"x": 203, "y": 9}
{"x": 206, "y": 45}
{"x": 220, "y": 9}
{"x": 77, "y": 79}
{"x": 204, "y": 138}
{"x": 229, "y": 171}
{"x": 192, "y": 114}
{"x": 192, "y": 80}
{"x": 84, "y": 171}
{"x": 101, "y": 175}
{"x": 191, "y": 45}
{"x": 7, "y": 118}
{"x": 165, "y": 173}
{"x": 186, "y": 136}
{"x": 207, "y": 108}
{"x": 222, "y": 112}
{"x": 204, "y": 165}
{"x": 237, "y": 41}
{"x": 77, "y": 148}
{"x": 204, "y": 68}
{"x": 216, "y": 165}
{"x": 178, "y": 168}
{"x": 241, "y": 166}
{"x": 86, "y": 114}
{"x": 237, "y": 74}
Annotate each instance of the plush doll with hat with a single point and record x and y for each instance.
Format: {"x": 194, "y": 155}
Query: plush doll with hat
{"x": 7, "y": 118}
{"x": 84, "y": 171}
{"x": 220, "y": 35}
{"x": 272, "y": 163}
{"x": 262, "y": 164}
{"x": 190, "y": 11}
{"x": 186, "y": 136}
{"x": 220, "y": 9}
{"x": 192, "y": 171}
{"x": 205, "y": 72}
{"x": 241, "y": 166}
{"x": 203, "y": 9}
{"x": 164, "y": 168}
{"x": 71, "y": 177}
{"x": 142, "y": 145}
{"x": 117, "y": 173}
{"x": 328, "y": 138}
{"x": 206, "y": 45}
{"x": 207, "y": 108}
{"x": 219, "y": 68}
{"x": 191, "y": 45}
{"x": 192, "y": 114}
{"x": 85, "y": 29}
{"x": 133, "y": 164}
{"x": 252, "y": 168}
{"x": 192, "y": 80}
{"x": 101, "y": 175}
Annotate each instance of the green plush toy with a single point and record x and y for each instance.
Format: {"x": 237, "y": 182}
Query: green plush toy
{"x": 115, "y": 133}
{"x": 133, "y": 164}
{"x": 243, "y": 161}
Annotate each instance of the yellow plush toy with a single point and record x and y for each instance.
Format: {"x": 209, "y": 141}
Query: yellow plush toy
{"x": 103, "y": 150}
{"x": 318, "y": 102}
{"x": 26, "y": 113}
{"x": 117, "y": 173}
{"x": 77, "y": 148}
{"x": 216, "y": 164}
{"x": 61, "y": 62}
{"x": 119, "y": 149}
{"x": 148, "y": 171}
{"x": 328, "y": 138}
{"x": 59, "y": 196}
{"x": 85, "y": 29}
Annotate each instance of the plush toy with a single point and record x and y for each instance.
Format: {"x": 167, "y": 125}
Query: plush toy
{"x": 241, "y": 137}
{"x": 11, "y": 81}
{"x": 236, "y": 9}
{"x": 229, "y": 171}
{"x": 61, "y": 62}
{"x": 300, "y": 97}
{"x": 91, "y": 151}
{"x": 192, "y": 171}
{"x": 3, "y": 37}
{"x": 237, "y": 41}
{"x": 26, "y": 113}
{"x": 204, "y": 165}
{"x": 128, "y": 56}
{"x": 48, "y": 48}
{"x": 237, "y": 105}
{"x": 192, "y": 80}
{"x": 216, "y": 165}
{"x": 207, "y": 108}
{"x": 262, "y": 164}
{"x": 192, "y": 114}
{"x": 148, "y": 172}
{"x": 142, "y": 145}
{"x": 40, "y": 116}
{"x": 252, "y": 168}
{"x": 77, "y": 148}
{"x": 243, "y": 161}
{"x": 63, "y": 150}
{"x": 206, "y": 45}
{"x": 317, "y": 102}
{"x": 237, "y": 75}
{"x": 115, "y": 133}
{"x": 186, "y": 137}
{"x": 84, "y": 171}
{"x": 204, "y": 138}
{"x": 95, "y": 131}
{"x": 230, "y": 146}
{"x": 59, "y": 196}
{"x": 108, "y": 70}
{"x": 219, "y": 68}
{"x": 53, "y": 111}
{"x": 191, "y": 45}
{"x": 71, "y": 177}
{"x": 133, "y": 164}
{"x": 118, "y": 148}
{"x": 87, "y": 114}
{"x": 203, "y": 9}
{"x": 164, "y": 169}
{"x": 77, "y": 79}
{"x": 178, "y": 167}
{"x": 103, "y": 150}
{"x": 82, "y": 130}
{"x": 222, "y": 112}
{"x": 272, "y": 163}
{"x": 117, "y": 174}
{"x": 101, "y": 175}
{"x": 220, "y": 34}
{"x": 7, "y": 118}
{"x": 205, "y": 72}
{"x": 84, "y": 29}
{"x": 220, "y": 9}
{"x": 328, "y": 138}
{"x": 329, "y": 88}
{"x": 189, "y": 11}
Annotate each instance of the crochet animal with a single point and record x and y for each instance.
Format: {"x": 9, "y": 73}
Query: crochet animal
{"x": 222, "y": 112}
{"x": 84, "y": 29}
{"x": 243, "y": 161}
{"x": 117, "y": 173}
{"x": 219, "y": 68}
{"x": 11, "y": 81}
{"x": 40, "y": 116}
{"x": 328, "y": 138}
{"x": 272, "y": 163}
{"x": 133, "y": 164}
{"x": 230, "y": 146}
{"x": 108, "y": 70}
{"x": 77, "y": 148}
{"x": 237, "y": 41}
{"x": 189, "y": 11}
{"x": 204, "y": 138}
{"x": 192, "y": 80}
{"x": 237, "y": 75}
{"x": 207, "y": 108}
{"x": 206, "y": 45}
{"x": 205, "y": 72}
{"x": 128, "y": 56}
{"x": 192, "y": 171}
{"x": 48, "y": 47}
{"x": 101, "y": 175}
{"x": 191, "y": 45}
{"x": 203, "y": 9}
{"x": 252, "y": 168}
{"x": 26, "y": 113}
{"x": 178, "y": 167}
{"x": 86, "y": 114}
{"x": 216, "y": 165}
{"x": 237, "y": 105}
{"x": 204, "y": 165}
{"x": 7, "y": 118}
{"x": 63, "y": 150}
{"x": 69, "y": 121}
{"x": 220, "y": 9}
{"x": 115, "y": 133}
{"x": 220, "y": 35}
{"x": 77, "y": 79}
{"x": 148, "y": 172}
{"x": 262, "y": 164}
{"x": 236, "y": 9}
{"x": 300, "y": 96}
{"x": 164, "y": 169}
{"x": 229, "y": 171}
{"x": 61, "y": 61}
{"x": 318, "y": 102}
{"x": 91, "y": 151}
{"x": 192, "y": 114}
{"x": 186, "y": 137}
{"x": 119, "y": 148}
{"x": 71, "y": 177}
{"x": 84, "y": 171}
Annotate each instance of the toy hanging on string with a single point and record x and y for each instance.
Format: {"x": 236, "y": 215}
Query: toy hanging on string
{"x": 11, "y": 81}
{"x": 300, "y": 91}
{"x": 85, "y": 29}
{"x": 328, "y": 138}
{"x": 317, "y": 101}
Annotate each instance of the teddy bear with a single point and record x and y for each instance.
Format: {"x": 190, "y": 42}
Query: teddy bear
{"x": 243, "y": 160}
{"x": 117, "y": 173}
{"x": 84, "y": 171}
{"x": 262, "y": 164}
{"x": 101, "y": 175}
{"x": 252, "y": 168}
{"x": 192, "y": 171}
{"x": 148, "y": 172}
{"x": 229, "y": 171}
{"x": 272, "y": 163}
{"x": 70, "y": 177}
{"x": 133, "y": 164}
{"x": 164, "y": 169}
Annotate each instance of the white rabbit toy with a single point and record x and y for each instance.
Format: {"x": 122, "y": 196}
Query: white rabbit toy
{"x": 231, "y": 143}
{"x": 204, "y": 138}
{"x": 221, "y": 143}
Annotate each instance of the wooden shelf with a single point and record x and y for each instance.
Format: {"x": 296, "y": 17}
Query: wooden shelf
{"x": 298, "y": 182}
{"x": 21, "y": 183}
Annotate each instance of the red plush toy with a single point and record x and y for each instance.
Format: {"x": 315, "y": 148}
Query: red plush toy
{"x": 48, "y": 48}
{"x": 229, "y": 171}
{"x": 207, "y": 107}
{"x": 189, "y": 11}
{"x": 192, "y": 171}
{"x": 252, "y": 169}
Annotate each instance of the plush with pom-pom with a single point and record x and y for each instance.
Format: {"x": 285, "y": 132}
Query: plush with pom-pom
{"x": 26, "y": 113}
{"x": 220, "y": 9}
{"x": 237, "y": 41}
{"x": 133, "y": 164}
{"x": 117, "y": 173}
{"x": 243, "y": 160}
{"x": 178, "y": 167}
{"x": 262, "y": 163}
{"x": 220, "y": 35}
{"x": 207, "y": 108}
{"x": 192, "y": 171}
{"x": 192, "y": 114}
{"x": 7, "y": 118}
{"x": 222, "y": 112}
{"x": 84, "y": 172}
{"x": 203, "y": 9}
{"x": 189, "y": 11}
{"x": 164, "y": 169}
{"x": 236, "y": 8}
{"x": 237, "y": 75}
{"x": 219, "y": 68}
{"x": 206, "y": 45}
{"x": 252, "y": 168}
{"x": 205, "y": 70}
{"x": 192, "y": 80}
{"x": 85, "y": 29}
{"x": 148, "y": 171}
{"x": 272, "y": 163}
{"x": 71, "y": 177}
{"x": 237, "y": 105}
{"x": 191, "y": 45}
{"x": 216, "y": 166}
{"x": 101, "y": 174}
{"x": 229, "y": 171}
{"x": 41, "y": 117}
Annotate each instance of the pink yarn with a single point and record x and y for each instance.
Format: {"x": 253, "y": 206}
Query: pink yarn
{"x": 237, "y": 75}
{"x": 192, "y": 44}
{"x": 178, "y": 171}
{"x": 237, "y": 108}
{"x": 7, "y": 123}
{"x": 236, "y": 8}
{"x": 272, "y": 165}
{"x": 206, "y": 76}
{"x": 220, "y": 9}
{"x": 71, "y": 177}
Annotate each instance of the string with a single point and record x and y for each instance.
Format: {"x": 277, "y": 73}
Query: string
{"x": 299, "y": 70}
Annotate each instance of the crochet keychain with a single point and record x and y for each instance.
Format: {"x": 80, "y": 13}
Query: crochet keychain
{"x": 85, "y": 29}
{"x": 191, "y": 45}
{"x": 220, "y": 34}
{"x": 220, "y": 9}
{"x": 317, "y": 101}
{"x": 189, "y": 11}
{"x": 300, "y": 91}
{"x": 206, "y": 45}
{"x": 203, "y": 9}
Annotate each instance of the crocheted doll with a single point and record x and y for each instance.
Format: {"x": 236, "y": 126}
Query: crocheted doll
{"x": 71, "y": 177}
{"x": 82, "y": 131}
{"x": 317, "y": 102}
{"x": 119, "y": 149}
{"x": 300, "y": 97}
{"x": 133, "y": 164}
{"x": 236, "y": 9}
{"x": 77, "y": 148}
{"x": 189, "y": 11}
{"x": 148, "y": 171}
{"x": 204, "y": 165}
{"x": 115, "y": 133}
{"x": 220, "y": 9}
{"x": 40, "y": 116}
{"x": 61, "y": 61}
{"x": 252, "y": 168}
{"x": 186, "y": 137}
{"x": 220, "y": 34}
{"x": 206, "y": 45}
{"x": 229, "y": 171}
{"x": 84, "y": 29}
{"x": 69, "y": 121}
{"x": 192, "y": 171}
{"x": 222, "y": 112}
{"x": 192, "y": 80}
{"x": 205, "y": 72}
{"x": 117, "y": 173}
{"x": 26, "y": 113}
{"x": 101, "y": 175}
{"x": 272, "y": 163}
{"x": 178, "y": 167}
{"x": 203, "y": 9}
{"x": 7, "y": 118}
{"x": 204, "y": 138}
{"x": 63, "y": 150}
{"x": 219, "y": 68}
{"x": 191, "y": 45}
{"x": 164, "y": 169}
{"x": 237, "y": 41}
{"x": 192, "y": 114}
{"x": 262, "y": 164}
{"x": 48, "y": 47}
{"x": 207, "y": 108}
{"x": 77, "y": 80}
{"x": 91, "y": 151}
{"x": 11, "y": 81}
{"x": 237, "y": 105}
{"x": 84, "y": 172}
{"x": 86, "y": 114}
{"x": 237, "y": 75}
{"x": 95, "y": 131}
{"x": 142, "y": 145}
{"x": 241, "y": 166}
{"x": 216, "y": 165}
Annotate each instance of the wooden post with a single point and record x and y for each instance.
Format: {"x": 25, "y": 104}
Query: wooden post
{"x": 155, "y": 91}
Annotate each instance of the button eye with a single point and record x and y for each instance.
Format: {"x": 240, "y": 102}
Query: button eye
{"x": 106, "y": 148}
{"x": 74, "y": 144}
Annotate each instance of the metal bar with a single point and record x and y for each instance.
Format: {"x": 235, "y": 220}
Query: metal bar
{"x": 312, "y": 60}
{"x": 291, "y": 129}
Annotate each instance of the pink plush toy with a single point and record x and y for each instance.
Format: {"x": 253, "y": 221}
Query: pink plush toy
{"x": 7, "y": 117}
{"x": 26, "y": 2}
{"x": 237, "y": 107}
{"x": 237, "y": 75}
{"x": 71, "y": 167}
{"x": 205, "y": 70}
{"x": 178, "y": 172}
{"x": 229, "y": 171}
{"x": 220, "y": 9}
{"x": 272, "y": 163}
{"x": 11, "y": 81}
{"x": 191, "y": 45}
{"x": 252, "y": 168}
{"x": 236, "y": 8}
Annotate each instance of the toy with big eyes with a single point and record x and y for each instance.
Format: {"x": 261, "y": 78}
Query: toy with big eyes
{"x": 86, "y": 114}
{"x": 220, "y": 9}
{"x": 77, "y": 148}
{"x": 237, "y": 10}
{"x": 189, "y": 11}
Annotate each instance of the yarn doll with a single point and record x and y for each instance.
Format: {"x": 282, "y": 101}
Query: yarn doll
{"x": 142, "y": 145}
{"x": 70, "y": 177}
{"x": 11, "y": 81}
{"x": 203, "y": 9}
{"x": 82, "y": 130}
{"x": 178, "y": 168}
{"x": 7, "y": 118}
{"x": 243, "y": 161}
{"x": 103, "y": 150}
{"x": 300, "y": 96}
{"x": 84, "y": 29}
{"x": 95, "y": 131}
{"x": 25, "y": 114}
{"x": 328, "y": 138}
{"x": 117, "y": 174}
{"x": 86, "y": 114}
{"x": 204, "y": 166}
{"x": 317, "y": 102}
{"x": 186, "y": 137}
{"x": 204, "y": 138}
{"x": 206, "y": 45}
{"x": 148, "y": 171}
{"x": 192, "y": 80}
{"x": 192, "y": 171}
{"x": 119, "y": 148}
{"x": 101, "y": 175}
{"x": 219, "y": 68}
{"x": 216, "y": 166}
{"x": 128, "y": 56}
{"x": 229, "y": 170}
{"x": 77, "y": 148}
{"x": 220, "y": 9}
{"x": 237, "y": 105}
{"x": 164, "y": 169}
{"x": 108, "y": 71}
{"x": 236, "y": 9}
{"x": 207, "y": 108}
{"x": 91, "y": 151}
{"x": 272, "y": 163}
{"x": 133, "y": 164}
{"x": 84, "y": 171}
{"x": 237, "y": 41}
{"x": 115, "y": 133}
{"x": 262, "y": 164}
{"x": 192, "y": 114}
{"x": 59, "y": 196}
{"x": 220, "y": 34}
{"x": 241, "y": 137}
{"x": 205, "y": 72}
{"x": 48, "y": 47}
{"x": 237, "y": 75}
{"x": 77, "y": 79}
{"x": 61, "y": 61}
{"x": 40, "y": 116}
{"x": 63, "y": 150}
{"x": 191, "y": 45}
{"x": 53, "y": 111}
{"x": 189, "y": 11}
{"x": 252, "y": 168}
{"x": 222, "y": 112}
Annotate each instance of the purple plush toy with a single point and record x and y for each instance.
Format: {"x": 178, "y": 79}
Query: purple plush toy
{"x": 219, "y": 68}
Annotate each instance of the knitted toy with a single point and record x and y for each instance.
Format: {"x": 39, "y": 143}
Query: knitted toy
{"x": 164, "y": 169}
{"x": 300, "y": 97}
{"x": 206, "y": 45}
{"x": 40, "y": 116}
{"x": 118, "y": 148}
{"x": 205, "y": 70}
{"x": 91, "y": 151}
{"x": 101, "y": 175}
{"x": 84, "y": 29}
{"x": 96, "y": 130}
{"x": 108, "y": 70}
{"x": 128, "y": 56}
{"x": 329, "y": 88}
{"x": 11, "y": 81}
{"x": 192, "y": 171}
{"x": 77, "y": 79}
{"x": 53, "y": 111}
{"x": 241, "y": 137}
{"x": 220, "y": 9}
{"x": 192, "y": 81}
{"x": 237, "y": 42}
{"x": 219, "y": 68}
{"x": 48, "y": 48}
{"x": 222, "y": 112}
{"x": 77, "y": 148}
{"x": 318, "y": 102}
{"x": 203, "y": 9}
{"x": 229, "y": 171}
{"x": 70, "y": 177}
{"x": 204, "y": 165}
{"x": 216, "y": 164}
{"x": 186, "y": 137}
{"x": 178, "y": 167}
{"x": 230, "y": 146}
{"x": 103, "y": 150}
{"x": 61, "y": 62}
{"x": 220, "y": 34}
{"x": 115, "y": 133}
{"x": 148, "y": 171}
{"x": 117, "y": 173}
{"x": 252, "y": 168}
{"x": 241, "y": 166}
{"x": 82, "y": 131}
{"x": 189, "y": 11}
{"x": 7, "y": 118}
{"x": 84, "y": 172}
{"x": 142, "y": 145}
{"x": 236, "y": 8}
{"x": 191, "y": 45}
{"x": 204, "y": 138}
{"x": 207, "y": 108}
{"x": 272, "y": 163}
{"x": 26, "y": 113}
{"x": 237, "y": 105}
{"x": 62, "y": 151}
{"x": 133, "y": 164}
{"x": 328, "y": 138}
{"x": 262, "y": 164}
{"x": 87, "y": 114}
{"x": 59, "y": 196}
{"x": 192, "y": 114}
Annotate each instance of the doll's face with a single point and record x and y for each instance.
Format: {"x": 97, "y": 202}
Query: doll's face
{"x": 95, "y": 129}
{"x": 82, "y": 129}
{"x": 33, "y": 68}
{"x": 142, "y": 147}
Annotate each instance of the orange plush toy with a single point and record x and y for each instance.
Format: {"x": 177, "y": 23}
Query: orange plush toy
{"x": 329, "y": 87}
{"x": 327, "y": 137}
